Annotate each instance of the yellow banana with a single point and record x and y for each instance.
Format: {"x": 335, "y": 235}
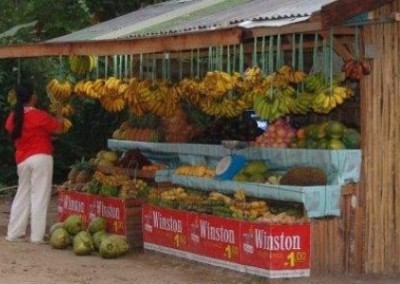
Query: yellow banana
{"x": 326, "y": 102}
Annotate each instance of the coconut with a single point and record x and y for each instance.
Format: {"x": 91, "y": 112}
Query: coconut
{"x": 55, "y": 226}
{"x": 97, "y": 224}
{"x": 98, "y": 237}
{"x": 60, "y": 238}
{"x": 73, "y": 224}
{"x": 83, "y": 243}
{"x": 113, "y": 246}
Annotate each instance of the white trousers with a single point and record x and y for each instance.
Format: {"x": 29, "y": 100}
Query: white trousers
{"x": 32, "y": 199}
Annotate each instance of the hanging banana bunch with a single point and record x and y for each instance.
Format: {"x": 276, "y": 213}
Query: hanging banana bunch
{"x": 112, "y": 98}
{"x": 189, "y": 89}
{"x": 12, "y": 97}
{"x": 253, "y": 76}
{"x": 60, "y": 90}
{"x": 161, "y": 99}
{"x": 216, "y": 84}
{"x": 223, "y": 108}
{"x": 274, "y": 102}
{"x": 133, "y": 96}
{"x": 287, "y": 75}
{"x": 82, "y": 64}
{"x": 327, "y": 100}
{"x": 67, "y": 110}
{"x": 327, "y": 96}
{"x": 302, "y": 103}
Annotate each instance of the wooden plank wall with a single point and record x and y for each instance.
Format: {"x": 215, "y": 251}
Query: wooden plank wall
{"x": 380, "y": 124}
{"x": 336, "y": 243}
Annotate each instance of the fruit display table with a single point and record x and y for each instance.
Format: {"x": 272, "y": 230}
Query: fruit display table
{"x": 341, "y": 166}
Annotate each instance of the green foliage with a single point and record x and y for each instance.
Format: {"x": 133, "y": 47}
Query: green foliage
{"x": 92, "y": 126}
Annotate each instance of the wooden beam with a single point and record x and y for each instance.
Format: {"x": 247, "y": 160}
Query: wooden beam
{"x": 337, "y": 12}
{"x": 302, "y": 27}
{"x": 157, "y": 44}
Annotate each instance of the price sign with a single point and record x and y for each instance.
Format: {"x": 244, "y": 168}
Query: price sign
{"x": 276, "y": 248}
{"x": 293, "y": 258}
{"x": 180, "y": 240}
{"x": 118, "y": 225}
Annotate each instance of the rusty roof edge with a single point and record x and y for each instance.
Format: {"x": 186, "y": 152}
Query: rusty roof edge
{"x": 155, "y": 44}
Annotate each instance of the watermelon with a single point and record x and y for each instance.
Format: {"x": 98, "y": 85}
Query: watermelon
{"x": 351, "y": 138}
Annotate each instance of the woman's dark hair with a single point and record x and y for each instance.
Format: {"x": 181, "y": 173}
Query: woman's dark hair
{"x": 24, "y": 94}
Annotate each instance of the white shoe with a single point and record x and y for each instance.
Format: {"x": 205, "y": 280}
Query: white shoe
{"x": 19, "y": 239}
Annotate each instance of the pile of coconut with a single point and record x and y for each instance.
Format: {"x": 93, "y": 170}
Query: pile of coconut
{"x": 87, "y": 239}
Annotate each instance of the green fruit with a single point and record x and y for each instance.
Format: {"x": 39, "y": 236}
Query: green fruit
{"x": 113, "y": 246}
{"x": 257, "y": 178}
{"x": 107, "y": 190}
{"x": 322, "y": 144}
{"x": 255, "y": 167}
{"x": 240, "y": 177}
{"x": 73, "y": 224}
{"x": 97, "y": 224}
{"x": 335, "y": 129}
{"x": 321, "y": 131}
{"x": 55, "y": 226}
{"x": 98, "y": 237}
{"x": 60, "y": 238}
{"x": 336, "y": 144}
{"x": 83, "y": 243}
{"x": 351, "y": 138}
{"x": 311, "y": 131}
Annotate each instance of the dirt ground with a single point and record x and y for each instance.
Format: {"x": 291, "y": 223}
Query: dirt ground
{"x": 26, "y": 263}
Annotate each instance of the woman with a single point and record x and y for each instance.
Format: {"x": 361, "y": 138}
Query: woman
{"x": 30, "y": 130}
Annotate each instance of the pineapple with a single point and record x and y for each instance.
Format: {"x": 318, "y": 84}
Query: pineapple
{"x": 85, "y": 173}
{"x": 80, "y": 172}
{"x": 73, "y": 173}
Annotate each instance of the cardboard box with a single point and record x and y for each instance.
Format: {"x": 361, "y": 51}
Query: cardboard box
{"x": 72, "y": 203}
{"x": 269, "y": 250}
{"x": 215, "y": 237}
{"x": 166, "y": 227}
{"x": 123, "y": 216}
{"x": 276, "y": 250}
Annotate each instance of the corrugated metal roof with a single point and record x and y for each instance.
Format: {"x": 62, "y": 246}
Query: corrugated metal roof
{"x": 179, "y": 16}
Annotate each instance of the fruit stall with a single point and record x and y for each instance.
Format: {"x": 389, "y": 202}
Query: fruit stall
{"x": 268, "y": 153}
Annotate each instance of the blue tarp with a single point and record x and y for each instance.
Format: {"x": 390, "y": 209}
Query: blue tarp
{"x": 341, "y": 166}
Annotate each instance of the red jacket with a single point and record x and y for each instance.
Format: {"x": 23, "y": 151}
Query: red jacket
{"x": 36, "y": 134}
